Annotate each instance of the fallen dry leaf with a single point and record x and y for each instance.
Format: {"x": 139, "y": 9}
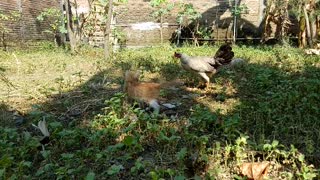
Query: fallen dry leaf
{"x": 255, "y": 171}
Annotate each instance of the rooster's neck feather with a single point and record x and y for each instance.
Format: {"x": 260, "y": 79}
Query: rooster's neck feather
{"x": 184, "y": 58}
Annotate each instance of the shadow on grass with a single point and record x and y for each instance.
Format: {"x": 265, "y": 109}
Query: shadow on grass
{"x": 85, "y": 101}
{"x": 275, "y": 105}
{"x": 6, "y": 113}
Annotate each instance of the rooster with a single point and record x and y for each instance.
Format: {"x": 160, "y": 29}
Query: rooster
{"x": 206, "y": 66}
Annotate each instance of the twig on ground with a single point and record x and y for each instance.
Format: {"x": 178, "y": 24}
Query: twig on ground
{"x": 6, "y": 80}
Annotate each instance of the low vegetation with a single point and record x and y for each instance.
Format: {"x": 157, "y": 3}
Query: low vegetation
{"x": 266, "y": 110}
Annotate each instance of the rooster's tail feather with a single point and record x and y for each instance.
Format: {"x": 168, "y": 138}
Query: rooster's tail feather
{"x": 224, "y": 54}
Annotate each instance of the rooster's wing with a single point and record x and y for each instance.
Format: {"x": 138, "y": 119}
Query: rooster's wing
{"x": 199, "y": 64}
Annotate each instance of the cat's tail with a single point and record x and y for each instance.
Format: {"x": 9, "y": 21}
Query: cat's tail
{"x": 173, "y": 83}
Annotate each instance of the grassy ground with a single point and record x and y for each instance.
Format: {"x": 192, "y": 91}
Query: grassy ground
{"x": 265, "y": 110}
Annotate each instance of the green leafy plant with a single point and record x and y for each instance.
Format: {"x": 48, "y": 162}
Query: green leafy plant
{"x": 104, "y": 8}
{"x": 202, "y": 118}
{"x": 161, "y": 8}
{"x": 5, "y": 20}
{"x": 188, "y": 17}
{"x": 120, "y": 36}
{"x": 139, "y": 166}
{"x": 236, "y": 12}
{"x": 54, "y": 18}
{"x": 114, "y": 169}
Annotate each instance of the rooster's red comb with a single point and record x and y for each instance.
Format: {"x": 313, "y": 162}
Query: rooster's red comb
{"x": 177, "y": 55}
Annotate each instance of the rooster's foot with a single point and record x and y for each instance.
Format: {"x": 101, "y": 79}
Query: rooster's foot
{"x": 202, "y": 86}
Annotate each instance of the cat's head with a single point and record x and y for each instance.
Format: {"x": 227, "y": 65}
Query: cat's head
{"x": 132, "y": 76}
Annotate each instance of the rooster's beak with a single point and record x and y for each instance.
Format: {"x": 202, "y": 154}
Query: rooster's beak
{"x": 174, "y": 55}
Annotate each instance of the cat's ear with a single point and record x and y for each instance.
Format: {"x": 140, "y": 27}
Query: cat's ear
{"x": 137, "y": 74}
{"x": 127, "y": 73}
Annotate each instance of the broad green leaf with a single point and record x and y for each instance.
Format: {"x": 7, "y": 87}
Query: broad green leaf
{"x": 114, "y": 169}
{"x": 2, "y": 171}
{"x": 129, "y": 140}
{"x": 6, "y": 161}
{"x": 275, "y": 143}
{"x": 90, "y": 176}
{"x": 180, "y": 177}
{"x": 182, "y": 153}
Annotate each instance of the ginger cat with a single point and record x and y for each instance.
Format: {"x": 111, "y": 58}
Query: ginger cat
{"x": 147, "y": 92}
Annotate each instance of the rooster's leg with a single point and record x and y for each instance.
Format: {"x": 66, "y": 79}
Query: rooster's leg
{"x": 205, "y": 77}
{"x": 210, "y": 74}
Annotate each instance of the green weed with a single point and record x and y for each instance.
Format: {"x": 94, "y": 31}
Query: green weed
{"x": 266, "y": 110}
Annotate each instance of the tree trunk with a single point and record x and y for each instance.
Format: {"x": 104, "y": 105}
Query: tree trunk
{"x": 309, "y": 35}
{"x": 277, "y": 14}
{"x": 161, "y": 29}
{"x": 302, "y": 34}
{"x": 107, "y": 31}
{"x": 194, "y": 34}
{"x": 178, "y": 35}
{"x": 318, "y": 27}
{"x": 317, "y": 22}
{"x": 62, "y": 35}
{"x": 235, "y": 21}
{"x": 267, "y": 30}
{"x": 72, "y": 37}
{"x": 312, "y": 22}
